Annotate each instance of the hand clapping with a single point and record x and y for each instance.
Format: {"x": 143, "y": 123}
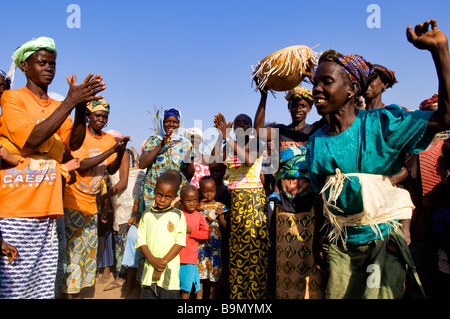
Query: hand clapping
{"x": 87, "y": 90}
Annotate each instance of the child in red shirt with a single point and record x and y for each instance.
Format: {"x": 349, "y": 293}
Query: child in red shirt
{"x": 197, "y": 229}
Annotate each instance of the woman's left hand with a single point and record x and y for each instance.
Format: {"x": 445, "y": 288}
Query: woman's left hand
{"x": 121, "y": 144}
{"x": 425, "y": 39}
{"x": 221, "y": 124}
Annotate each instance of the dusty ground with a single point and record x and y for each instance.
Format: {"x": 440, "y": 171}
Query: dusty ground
{"x": 96, "y": 292}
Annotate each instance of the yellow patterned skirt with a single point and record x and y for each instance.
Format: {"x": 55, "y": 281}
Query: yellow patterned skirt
{"x": 249, "y": 244}
{"x": 296, "y": 276}
{"x": 81, "y": 250}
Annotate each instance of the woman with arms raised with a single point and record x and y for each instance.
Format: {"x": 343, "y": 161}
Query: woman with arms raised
{"x": 39, "y": 128}
{"x": 350, "y": 161}
{"x": 100, "y": 153}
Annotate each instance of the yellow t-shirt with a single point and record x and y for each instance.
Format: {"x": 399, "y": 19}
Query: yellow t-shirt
{"x": 81, "y": 195}
{"x": 159, "y": 231}
{"x": 33, "y": 188}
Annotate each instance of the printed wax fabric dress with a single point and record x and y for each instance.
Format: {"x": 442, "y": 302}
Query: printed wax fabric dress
{"x": 249, "y": 233}
{"x": 171, "y": 156}
{"x": 209, "y": 251}
{"x": 296, "y": 276}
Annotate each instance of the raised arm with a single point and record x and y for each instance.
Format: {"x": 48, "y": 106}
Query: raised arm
{"x": 121, "y": 146}
{"x": 246, "y": 157}
{"x": 147, "y": 158}
{"x": 217, "y": 153}
{"x": 436, "y": 42}
{"x": 77, "y": 96}
{"x": 260, "y": 115}
{"x": 90, "y": 162}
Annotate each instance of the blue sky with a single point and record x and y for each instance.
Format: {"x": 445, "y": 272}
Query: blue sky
{"x": 197, "y": 55}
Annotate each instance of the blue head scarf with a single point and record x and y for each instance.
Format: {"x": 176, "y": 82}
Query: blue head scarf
{"x": 175, "y": 113}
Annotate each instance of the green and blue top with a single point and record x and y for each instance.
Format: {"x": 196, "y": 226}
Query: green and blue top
{"x": 376, "y": 143}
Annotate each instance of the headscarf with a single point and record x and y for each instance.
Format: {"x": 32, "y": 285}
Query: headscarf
{"x": 99, "y": 105}
{"x": 432, "y": 101}
{"x": 356, "y": 67}
{"x": 3, "y": 73}
{"x": 22, "y": 53}
{"x": 7, "y": 78}
{"x": 175, "y": 113}
{"x": 386, "y": 75}
{"x": 300, "y": 92}
{"x": 293, "y": 162}
{"x": 193, "y": 131}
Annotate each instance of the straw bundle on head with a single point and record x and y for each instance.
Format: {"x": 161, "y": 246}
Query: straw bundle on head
{"x": 284, "y": 69}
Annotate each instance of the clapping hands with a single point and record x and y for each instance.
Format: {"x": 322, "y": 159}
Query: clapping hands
{"x": 221, "y": 124}
{"x": 86, "y": 91}
{"x": 121, "y": 143}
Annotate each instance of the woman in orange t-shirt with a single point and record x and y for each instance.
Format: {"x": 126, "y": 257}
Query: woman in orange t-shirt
{"x": 30, "y": 196}
{"x": 100, "y": 153}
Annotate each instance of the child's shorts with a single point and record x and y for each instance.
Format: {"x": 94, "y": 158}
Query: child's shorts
{"x": 131, "y": 255}
{"x": 189, "y": 275}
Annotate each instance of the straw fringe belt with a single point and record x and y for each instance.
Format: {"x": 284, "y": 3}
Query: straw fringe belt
{"x": 382, "y": 202}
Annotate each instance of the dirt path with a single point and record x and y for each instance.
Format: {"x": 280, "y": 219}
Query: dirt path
{"x": 96, "y": 292}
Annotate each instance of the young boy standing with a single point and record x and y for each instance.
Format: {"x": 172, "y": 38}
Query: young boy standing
{"x": 161, "y": 235}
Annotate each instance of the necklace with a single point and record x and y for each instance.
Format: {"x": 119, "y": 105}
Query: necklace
{"x": 93, "y": 133}
{"x": 36, "y": 100}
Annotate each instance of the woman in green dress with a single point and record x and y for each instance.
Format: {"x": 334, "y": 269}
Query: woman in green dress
{"x": 168, "y": 149}
{"x": 350, "y": 160}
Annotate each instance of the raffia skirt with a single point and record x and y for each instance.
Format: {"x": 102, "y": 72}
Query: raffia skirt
{"x": 249, "y": 244}
{"x": 296, "y": 276}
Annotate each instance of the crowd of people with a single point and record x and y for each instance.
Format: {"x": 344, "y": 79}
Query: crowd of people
{"x": 353, "y": 205}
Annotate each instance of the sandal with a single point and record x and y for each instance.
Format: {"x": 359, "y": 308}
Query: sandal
{"x": 104, "y": 279}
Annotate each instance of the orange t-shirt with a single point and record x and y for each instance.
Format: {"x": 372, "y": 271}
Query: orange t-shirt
{"x": 81, "y": 195}
{"x": 33, "y": 188}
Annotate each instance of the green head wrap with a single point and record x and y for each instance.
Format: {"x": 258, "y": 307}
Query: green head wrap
{"x": 100, "y": 105}
{"x": 27, "y": 49}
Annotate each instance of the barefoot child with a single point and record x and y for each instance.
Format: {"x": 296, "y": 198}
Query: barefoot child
{"x": 197, "y": 230}
{"x": 161, "y": 236}
{"x": 210, "y": 252}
